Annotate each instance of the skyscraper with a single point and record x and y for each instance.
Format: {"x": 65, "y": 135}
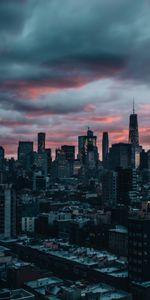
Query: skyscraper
{"x": 109, "y": 188}
{"x": 25, "y": 152}
{"x": 41, "y": 142}
{"x": 42, "y": 162}
{"x": 87, "y": 148}
{"x": 49, "y": 159}
{"x": 120, "y": 155}
{"x": 133, "y": 129}
{"x": 81, "y": 148}
{"x": 2, "y": 155}
{"x": 69, "y": 152}
{"x": 134, "y": 139}
{"x": 105, "y": 147}
{"x": 127, "y": 187}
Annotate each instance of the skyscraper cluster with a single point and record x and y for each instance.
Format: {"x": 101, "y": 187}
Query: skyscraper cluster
{"x": 64, "y": 214}
{"x": 122, "y": 167}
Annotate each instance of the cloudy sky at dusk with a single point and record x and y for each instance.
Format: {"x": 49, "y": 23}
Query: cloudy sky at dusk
{"x": 69, "y": 64}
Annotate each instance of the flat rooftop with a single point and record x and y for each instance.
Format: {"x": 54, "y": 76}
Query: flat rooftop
{"x": 103, "y": 261}
{"x": 57, "y": 287}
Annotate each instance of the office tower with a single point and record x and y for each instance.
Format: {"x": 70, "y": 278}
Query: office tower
{"x": 25, "y": 153}
{"x": 109, "y": 188}
{"x": 41, "y": 142}
{"x": 49, "y": 154}
{"x": 133, "y": 129}
{"x": 82, "y": 148}
{"x": 127, "y": 186}
{"x": 7, "y": 211}
{"x": 87, "y": 149}
{"x": 2, "y": 156}
{"x": 105, "y": 148}
{"x": 91, "y": 150}
{"x": 69, "y": 152}
{"x": 60, "y": 166}
{"x": 139, "y": 248}
{"x": 49, "y": 160}
{"x": 120, "y": 155}
{"x": 91, "y": 140}
{"x": 134, "y": 139}
{"x": 41, "y": 162}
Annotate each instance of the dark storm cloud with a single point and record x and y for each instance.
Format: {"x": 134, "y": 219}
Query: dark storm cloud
{"x": 12, "y": 16}
{"x": 74, "y": 43}
{"x": 50, "y": 49}
{"x": 39, "y": 107}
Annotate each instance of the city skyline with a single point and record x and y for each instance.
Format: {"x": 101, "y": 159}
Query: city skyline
{"x": 75, "y": 149}
{"x": 63, "y": 69}
{"x": 49, "y": 143}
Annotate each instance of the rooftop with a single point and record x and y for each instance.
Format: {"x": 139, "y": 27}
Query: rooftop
{"x": 102, "y": 261}
{"x": 18, "y": 294}
{"x": 56, "y": 288}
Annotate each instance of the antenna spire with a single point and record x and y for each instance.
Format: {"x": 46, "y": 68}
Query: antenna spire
{"x": 133, "y": 106}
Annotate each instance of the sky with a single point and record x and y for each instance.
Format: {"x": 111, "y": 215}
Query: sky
{"x": 66, "y": 65}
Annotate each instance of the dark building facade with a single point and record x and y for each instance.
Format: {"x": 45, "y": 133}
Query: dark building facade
{"x": 134, "y": 138}
{"x": 7, "y": 211}
{"x": 41, "y": 141}
{"x": 109, "y": 188}
{"x": 105, "y": 148}
{"x": 143, "y": 160}
{"x": 25, "y": 154}
{"x": 126, "y": 186}
{"x": 87, "y": 149}
{"x": 69, "y": 152}
{"x": 139, "y": 248}
{"x": 133, "y": 129}
{"x": 49, "y": 160}
{"x": 2, "y": 156}
{"x": 120, "y": 155}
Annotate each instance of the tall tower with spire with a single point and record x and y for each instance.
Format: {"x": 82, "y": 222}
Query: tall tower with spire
{"x": 133, "y": 129}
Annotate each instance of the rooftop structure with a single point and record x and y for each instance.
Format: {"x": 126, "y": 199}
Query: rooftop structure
{"x": 55, "y": 287}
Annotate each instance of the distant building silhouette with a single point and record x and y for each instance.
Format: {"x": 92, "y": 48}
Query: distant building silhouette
{"x": 127, "y": 186}
{"x": 69, "y": 152}
{"x": 109, "y": 188}
{"x": 25, "y": 153}
{"x": 133, "y": 129}
{"x": 49, "y": 159}
{"x": 134, "y": 138}
{"x": 105, "y": 148}
{"x": 41, "y": 141}
{"x": 87, "y": 149}
{"x": 2, "y": 156}
{"x": 120, "y": 155}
